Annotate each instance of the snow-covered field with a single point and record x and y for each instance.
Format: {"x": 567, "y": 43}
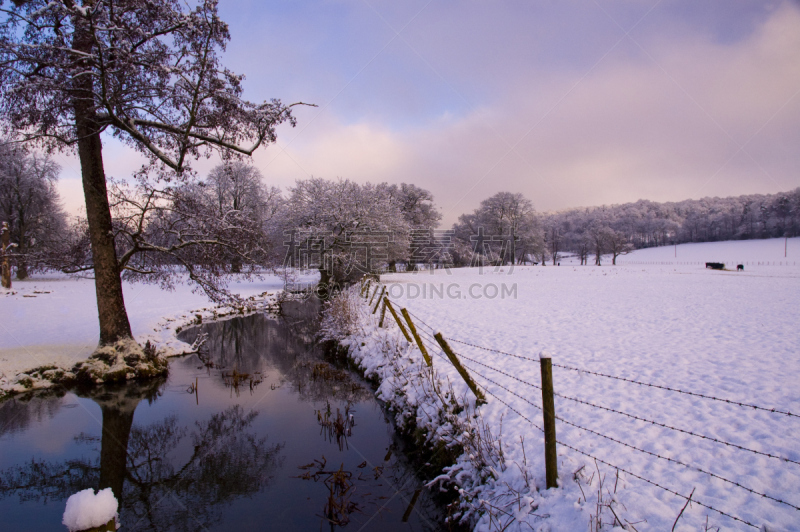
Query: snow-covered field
{"x": 51, "y": 319}
{"x": 653, "y": 319}
{"x": 757, "y": 253}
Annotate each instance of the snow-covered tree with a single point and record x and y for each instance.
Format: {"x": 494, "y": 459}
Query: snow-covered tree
{"x": 236, "y": 186}
{"x": 160, "y": 233}
{"x": 30, "y": 204}
{"x": 146, "y": 72}
{"x": 343, "y": 227}
{"x": 647, "y": 223}
{"x": 502, "y": 229}
{"x": 418, "y": 210}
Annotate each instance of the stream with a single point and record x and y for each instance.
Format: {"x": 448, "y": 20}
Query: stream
{"x": 258, "y": 431}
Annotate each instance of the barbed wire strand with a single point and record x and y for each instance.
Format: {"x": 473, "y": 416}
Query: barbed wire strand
{"x": 650, "y": 453}
{"x": 494, "y": 350}
{"x": 667, "y": 388}
{"x": 632, "y": 416}
{"x": 653, "y": 483}
{"x": 660, "y": 387}
{"x": 656, "y": 455}
{"x": 421, "y": 321}
{"x": 638, "y": 418}
{"x": 684, "y": 431}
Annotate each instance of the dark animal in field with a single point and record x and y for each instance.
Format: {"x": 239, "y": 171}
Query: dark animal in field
{"x": 740, "y": 267}
{"x": 715, "y": 265}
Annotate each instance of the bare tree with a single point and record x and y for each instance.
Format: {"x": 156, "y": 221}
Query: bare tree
{"x": 617, "y": 244}
{"x": 554, "y": 239}
{"x": 148, "y": 73}
{"x": 597, "y": 234}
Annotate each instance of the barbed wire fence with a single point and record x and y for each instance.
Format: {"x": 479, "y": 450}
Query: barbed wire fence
{"x": 492, "y": 387}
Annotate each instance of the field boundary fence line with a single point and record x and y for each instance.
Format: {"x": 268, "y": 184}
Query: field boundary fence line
{"x": 588, "y": 455}
{"x": 630, "y": 446}
{"x": 638, "y": 418}
{"x": 427, "y": 332}
{"x": 632, "y": 381}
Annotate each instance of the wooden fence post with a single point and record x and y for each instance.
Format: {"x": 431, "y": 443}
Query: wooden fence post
{"x": 378, "y": 302}
{"x": 397, "y": 318}
{"x": 383, "y": 314}
{"x": 481, "y": 399}
{"x": 365, "y": 290}
{"x": 5, "y": 241}
{"x": 413, "y": 329}
{"x": 375, "y": 293}
{"x": 549, "y": 414}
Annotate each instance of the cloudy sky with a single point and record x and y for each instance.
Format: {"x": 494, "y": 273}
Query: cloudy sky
{"x": 572, "y": 103}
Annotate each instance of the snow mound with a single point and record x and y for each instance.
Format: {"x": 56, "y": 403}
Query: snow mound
{"x": 86, "y": 509}
{"x": 123, "y": 360}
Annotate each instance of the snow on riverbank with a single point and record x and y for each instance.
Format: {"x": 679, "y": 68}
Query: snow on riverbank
{"x": 51, "y": 319}
{"x": 725, "y": 334}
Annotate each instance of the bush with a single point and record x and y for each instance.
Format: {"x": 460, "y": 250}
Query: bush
{"x": 340, "y": 317}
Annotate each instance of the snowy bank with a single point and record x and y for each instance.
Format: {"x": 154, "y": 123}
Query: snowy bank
{"x": 437, "y": 408}
{"x": 48, "y": 323}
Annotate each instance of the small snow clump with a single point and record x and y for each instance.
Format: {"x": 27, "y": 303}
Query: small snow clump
{"x": 86, "y": 509}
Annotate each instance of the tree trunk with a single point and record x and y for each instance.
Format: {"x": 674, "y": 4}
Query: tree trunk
{"x": 111, "y": 311}
{"x": 117, "y": 424}
{"x": 4, "y": 247}
{"x": 113, "y": 318}
{"x": 324, "y": 277}
{"x": 22, "y": 270}
{"x": 22, "y": 266}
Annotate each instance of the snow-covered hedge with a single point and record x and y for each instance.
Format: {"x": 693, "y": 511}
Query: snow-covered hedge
{"x": 440, "y": 412}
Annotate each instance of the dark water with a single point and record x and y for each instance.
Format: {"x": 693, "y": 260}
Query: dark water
{"x": 255, "y": 446}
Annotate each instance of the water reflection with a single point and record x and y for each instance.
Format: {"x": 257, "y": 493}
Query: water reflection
{"x": 245, "y": 349}
{"x": 17, "y": 413}
{"x": 248, "y": 343}
{"x": 204, "y": 461}
{"x": 166, "y": 475}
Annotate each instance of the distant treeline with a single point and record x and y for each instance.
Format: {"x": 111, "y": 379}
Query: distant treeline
{"x": 647, "y": 223}
{"x": 519, "y": 234}
{"x": 231, "y": 221}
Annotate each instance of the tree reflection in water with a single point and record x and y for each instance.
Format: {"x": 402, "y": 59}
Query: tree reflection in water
{"x": 163, "y": 480}
{"x": 186, "y": 476}
{"x": 18, "y": 412}
{"x": 246, "y": 348}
